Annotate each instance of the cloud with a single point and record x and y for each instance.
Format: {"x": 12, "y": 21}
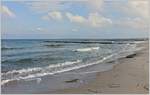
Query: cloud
{"x": 93, "y": 19}
{"x": 59, "y": 5}
{"x": 6, "y": 11}
{"x": 55, "y": 15}
{"x": 75, "y": 18}
{"x": 95, "y": 5}
{"x": 135, "y": 14}
{"x": 136, "y": 23}
{"x": 139, "y": 8}
{"x": 53, "y": 10}
{"x": 96, "y": 20}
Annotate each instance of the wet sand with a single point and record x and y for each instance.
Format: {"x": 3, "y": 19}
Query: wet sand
{"x": 130, "y": 76}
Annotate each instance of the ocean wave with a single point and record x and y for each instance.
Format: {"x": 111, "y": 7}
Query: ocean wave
{"x": 34, "y": 72}
{"x": 138, "y": 42}
{"x": 86, "y": 49}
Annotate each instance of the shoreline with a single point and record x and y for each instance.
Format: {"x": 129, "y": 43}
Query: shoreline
{"x": 131, "y": 75}
{"x": 110, "y": 78}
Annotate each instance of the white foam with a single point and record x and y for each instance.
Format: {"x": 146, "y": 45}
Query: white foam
{"x": 34, "y": 72}
{"x": 138, "y": 42}
{"x": 86, "y": 49}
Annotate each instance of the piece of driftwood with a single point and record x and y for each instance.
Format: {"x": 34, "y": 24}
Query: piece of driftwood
{"x": 73, "y": 80}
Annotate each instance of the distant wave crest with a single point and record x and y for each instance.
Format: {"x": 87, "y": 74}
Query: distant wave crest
{"x": 86, "y": 49}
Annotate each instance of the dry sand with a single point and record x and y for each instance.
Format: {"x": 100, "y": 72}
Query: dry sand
{"x": 130, "y": 76}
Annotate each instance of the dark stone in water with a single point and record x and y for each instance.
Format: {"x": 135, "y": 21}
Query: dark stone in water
{"x": 73, "y": 80}
{"x": 131, "y": 56}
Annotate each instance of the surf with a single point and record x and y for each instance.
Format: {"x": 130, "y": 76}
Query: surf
{"x": 86, "y": 49}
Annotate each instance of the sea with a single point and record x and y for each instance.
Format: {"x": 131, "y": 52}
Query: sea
{"x": 26, "y": 60}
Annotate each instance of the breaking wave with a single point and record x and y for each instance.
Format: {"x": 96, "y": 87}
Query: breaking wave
{"x": 86, "y": 49}
{"x": 35, "y": 72}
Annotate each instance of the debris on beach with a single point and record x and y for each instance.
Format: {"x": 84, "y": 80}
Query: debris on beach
{"x": 73, "y": 80}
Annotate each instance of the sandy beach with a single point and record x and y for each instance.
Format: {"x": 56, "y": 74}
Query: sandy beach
{"x": 130, "y": 76}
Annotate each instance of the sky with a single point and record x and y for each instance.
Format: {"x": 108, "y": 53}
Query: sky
{"x": 54, "y": 19}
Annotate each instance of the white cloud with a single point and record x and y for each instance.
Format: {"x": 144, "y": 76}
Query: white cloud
{"x": 97, "y": 20}
{"x": 55, "y": 15}
{"x": 93, "y": 19}
{"x": 6, "y": 11}
{"x": 75, "y": 18}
